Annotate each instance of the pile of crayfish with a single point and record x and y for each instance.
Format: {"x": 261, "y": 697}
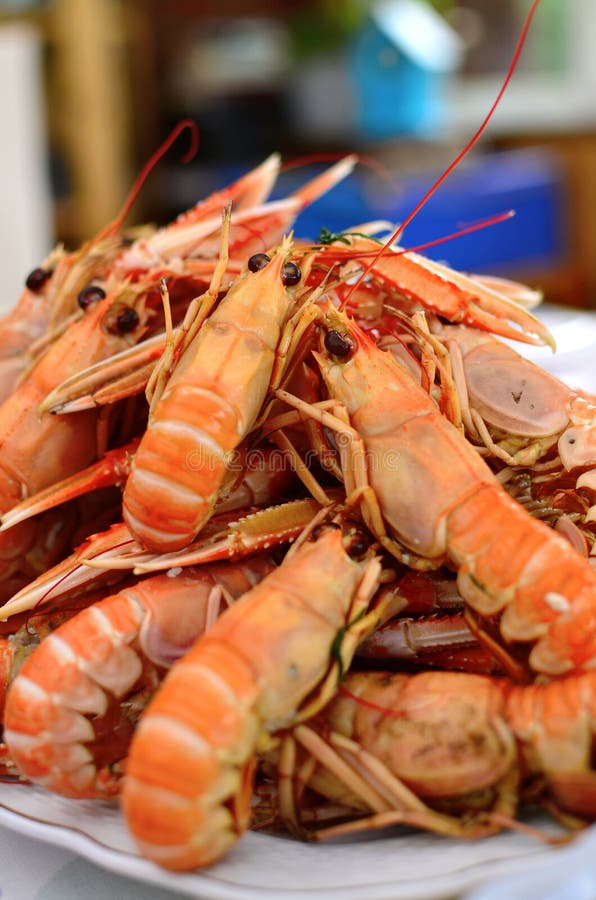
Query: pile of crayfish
{"x": 290, "y": 538}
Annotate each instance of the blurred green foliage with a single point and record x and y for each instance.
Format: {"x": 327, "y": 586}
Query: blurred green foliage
{"x": 325, "y": 25}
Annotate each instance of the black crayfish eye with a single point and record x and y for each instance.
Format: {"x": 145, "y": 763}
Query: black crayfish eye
{"x": 290, "y": 274}
{"x": 120, "y": 319}
{"x": 37, "y": 278}
{"x": 338, "y": 345}
{"x": 90, "y": 295}
{"x": 356, "y": 543}
{"x": 258, "y": 261}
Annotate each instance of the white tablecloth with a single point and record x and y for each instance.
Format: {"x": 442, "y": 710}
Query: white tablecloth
{"x": 32, "y": 870}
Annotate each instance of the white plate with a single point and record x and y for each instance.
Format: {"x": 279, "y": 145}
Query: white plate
{"x": 403, "y": 866}
{"x": 574, "y": 332}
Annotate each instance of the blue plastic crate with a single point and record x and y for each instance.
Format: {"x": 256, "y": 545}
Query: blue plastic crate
{"x": 529, "y": 182}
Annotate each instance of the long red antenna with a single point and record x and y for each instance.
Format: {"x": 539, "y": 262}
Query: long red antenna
{"x": 150, "y": 165}
{"x": 512, "y": 66}
{"x": 467, "y": 229}
{"x": 368, "y": 704}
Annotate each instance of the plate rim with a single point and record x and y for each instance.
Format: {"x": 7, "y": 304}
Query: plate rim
{"x": 205, "y": 886}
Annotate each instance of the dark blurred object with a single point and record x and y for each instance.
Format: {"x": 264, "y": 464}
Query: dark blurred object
{"x": 229, "y": 75}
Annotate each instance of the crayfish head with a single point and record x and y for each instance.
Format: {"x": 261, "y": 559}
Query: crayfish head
{"x": 337, "y": 341}
{"x": 270, "y": 279}
{"x": 356, "y": 541}
{"x": 346, "y": 359}
{"x": 290, "y": 274}
{"x": 127, "y": 315}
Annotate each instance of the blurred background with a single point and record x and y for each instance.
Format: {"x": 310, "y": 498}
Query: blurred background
{"x": 89, "y": 88}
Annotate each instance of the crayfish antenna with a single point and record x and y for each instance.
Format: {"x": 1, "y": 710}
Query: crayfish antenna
{"x": 471, "y": 143}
